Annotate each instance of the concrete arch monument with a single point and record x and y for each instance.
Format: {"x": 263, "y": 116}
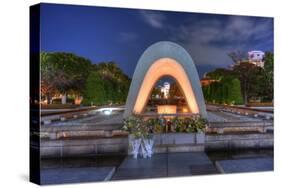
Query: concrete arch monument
{"x": 165, "y": 58}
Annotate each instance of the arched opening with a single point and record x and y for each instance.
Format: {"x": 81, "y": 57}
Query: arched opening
{"x": 166, "y": 97}
{"x": 165, "y": 67}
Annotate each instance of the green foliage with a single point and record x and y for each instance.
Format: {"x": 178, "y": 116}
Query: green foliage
{"x": 250, "y": 79}
{"x": 234, "y": 95}
{"x": 66, "y": 73}
{"x": 94, "y": 90}
{"x": 267, "y": 84}
{"x": 139, "y": 127}
{"x": 189, "y": 125}
{"x": 218, "y": 74}
{"x": 112, "y": 83}
{"x": 63, "y": 72}
{"x": 136, "y": 126}
{"x": 156, "y": 125}
{"x": 256, "y": 82}
{"x": 116, "y": 83}
{"x": 225, "y": 91}
{"x": 196, "y": 124}
{"x": 179, "y": 124}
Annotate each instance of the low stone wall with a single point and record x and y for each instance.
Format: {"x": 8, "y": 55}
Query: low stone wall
{"x": 247, "y": 126}
{"x": 264, "y": 114}
{"x": 81, "y": 130}
{"x": 239, "y": 141}
{"x": 80, "y": 143}
{"x": 80, "y": 139}
{"x": 82, "y": 147}
{"x": 71, "y": 139}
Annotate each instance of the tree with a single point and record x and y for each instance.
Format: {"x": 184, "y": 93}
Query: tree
{"x": 234, "y": 95}
{"x": 268, "y": 86}
{"x": 219, "y": 73}
{"x": 48, "y": 79}
{"x": 250, "y": 79}
{"x": 254, "y": 81}
{"x": 112, "y": 82}
{"x": 227, "y": 90}
{"x": 67, "y": 74}
{"x": 64, "y": 72}
{"x": 238, "y": 56}
{"x": 94, "y": 92}
{"x": 116, "y": 83}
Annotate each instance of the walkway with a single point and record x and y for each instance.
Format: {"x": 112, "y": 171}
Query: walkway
{"x": 245, "y": 165}
{"x": 76, "y": 175}
{"x": 165, "y": 165}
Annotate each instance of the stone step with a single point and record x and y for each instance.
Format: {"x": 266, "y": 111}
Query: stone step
{"x": 83, "y": 147}
{"x": 82, "y": 134}
{"x": 239, "y": 141}
{"x": 81, "y": 126}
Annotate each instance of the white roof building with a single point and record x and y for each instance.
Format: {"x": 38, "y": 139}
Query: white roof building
{"x": 256, "y": 57}
{"x": 165, "y": 89}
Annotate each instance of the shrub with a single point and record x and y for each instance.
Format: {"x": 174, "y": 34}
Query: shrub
{"x": 196, "y": 124}
{"x": 139, "y": 127}
{"x": 94, "y": 90}
{"x": 136, "y": 126}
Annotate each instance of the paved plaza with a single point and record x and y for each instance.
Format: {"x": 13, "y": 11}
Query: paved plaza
{"x": 245, "y": 165}
{"x": 165, "y": 165}
{"x": 92, "y": 169}
{"x": 76, "y": 175}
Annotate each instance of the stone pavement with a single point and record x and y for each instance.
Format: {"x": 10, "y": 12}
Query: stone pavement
{"x": 92, "y": 169}
{"x": 245, "y": 165}
{"x": 165, "y": 165}
{"x": 76, "y": 175}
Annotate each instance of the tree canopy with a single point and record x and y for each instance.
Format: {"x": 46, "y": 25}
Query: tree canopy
{"x": 115, "y": 84}
{"x": 225, "y": 91}
{"x": 67, "y": 73}
{"x": 64, "y": 71}
{"x": 252, "y": 81}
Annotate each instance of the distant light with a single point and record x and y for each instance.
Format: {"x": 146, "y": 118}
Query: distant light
{"x": 107, "y": 112}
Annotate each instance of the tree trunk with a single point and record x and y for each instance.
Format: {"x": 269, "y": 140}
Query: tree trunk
{"x": 63, "y": 99}
{"x": 48, "y": 98}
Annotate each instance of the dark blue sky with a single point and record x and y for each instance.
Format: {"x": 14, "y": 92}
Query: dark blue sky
{"x": 121, "y": 35}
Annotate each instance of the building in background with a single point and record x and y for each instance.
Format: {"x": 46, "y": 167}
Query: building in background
{"x": 256, "y": 57}
{"x": 165, "y": 89}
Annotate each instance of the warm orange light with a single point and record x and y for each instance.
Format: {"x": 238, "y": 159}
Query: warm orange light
{"x": 185, "y": 110}
{"x": 166, "y": 109}
{"x": 78, "y": 100}
{"x": 165, "y": 67}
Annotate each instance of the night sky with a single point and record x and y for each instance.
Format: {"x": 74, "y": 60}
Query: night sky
{"x": 121, "y": 35}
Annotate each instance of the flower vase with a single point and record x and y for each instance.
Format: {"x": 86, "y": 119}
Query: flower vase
{"x": 135, "y": 143}
{"x": 143, "y": 149}
{"x": 148, "y": 143}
